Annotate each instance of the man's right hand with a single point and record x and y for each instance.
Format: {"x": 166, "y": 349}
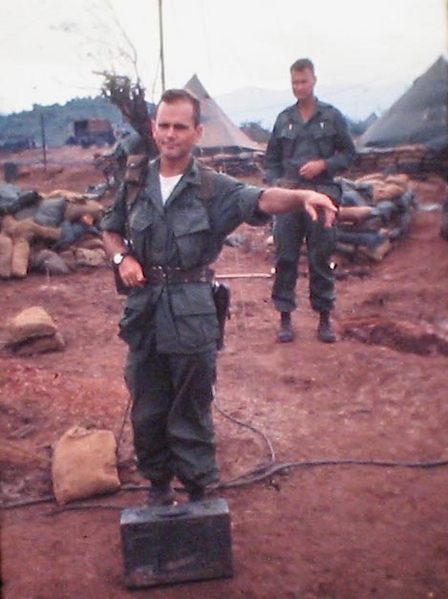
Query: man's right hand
{"x": 315, "y": 202}
{"x": 131, "y": 272}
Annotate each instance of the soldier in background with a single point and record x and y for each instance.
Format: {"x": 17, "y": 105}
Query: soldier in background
{"x": 309, "y": 144}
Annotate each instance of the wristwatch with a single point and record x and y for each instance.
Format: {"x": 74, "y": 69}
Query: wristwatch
{"x": 118, "y": 258}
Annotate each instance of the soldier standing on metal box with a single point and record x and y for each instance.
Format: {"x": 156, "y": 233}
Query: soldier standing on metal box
{"x": 310, "y": 142}
{"x": 176, "y": 225}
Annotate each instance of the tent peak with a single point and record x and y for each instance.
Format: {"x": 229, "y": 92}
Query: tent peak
{"x": 419, "y": 116}
{"x": 196, "y": 88}
{"x": 220, "y": 134}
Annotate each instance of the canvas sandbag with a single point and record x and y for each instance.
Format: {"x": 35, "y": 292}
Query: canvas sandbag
{"x": 50, "y": 213}
{"x": 31, "y": 323}
{"x": 5, "y": 256}
{"x": 74, "y": 210}
{"x": 40, "y": 345}
{"x": 92, "y": 258}
{"x": 20, "y": 257}
{"x": 65, "y": 193}
{"x": 49, "y": 262}
{"x": 28, "y": 229}
{"x": 9, "y": 198}
{"x": 84, "y": 464}
{"x": 91, "y": 242}
{"x": 387, "y": 191}
{"x": 12, "y": 199}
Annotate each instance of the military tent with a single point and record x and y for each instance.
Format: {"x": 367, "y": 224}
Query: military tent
{"x": 418, "y": 117}
{"x": 220, "y": 136}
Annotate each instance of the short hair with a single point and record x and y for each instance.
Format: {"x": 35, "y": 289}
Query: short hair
{"x": 301, "y": 64}
{"x": 171, "y": 96}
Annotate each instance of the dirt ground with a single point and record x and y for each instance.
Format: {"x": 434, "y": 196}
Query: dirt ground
{"x": 355, "y": 503}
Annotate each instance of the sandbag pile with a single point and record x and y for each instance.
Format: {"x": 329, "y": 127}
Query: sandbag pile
{"x": 409, "y": 158}
{"x": 16, "y": 238}
{"x": 375, "y": 210}
{"x": 31, "y": 224}
{"x": 33, "y": 331}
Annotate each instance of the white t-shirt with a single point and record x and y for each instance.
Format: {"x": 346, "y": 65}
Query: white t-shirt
{"x": 167, "y": 184}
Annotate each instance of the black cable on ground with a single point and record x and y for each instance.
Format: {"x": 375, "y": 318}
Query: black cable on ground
{"x": 251, "y": 477}
{"x": 269, "y": 470}
{"x": 247, "y": 425}
{"x": 257, "y": 474}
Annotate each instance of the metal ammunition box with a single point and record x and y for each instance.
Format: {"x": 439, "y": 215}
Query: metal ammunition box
{"x": 163, "y": 545}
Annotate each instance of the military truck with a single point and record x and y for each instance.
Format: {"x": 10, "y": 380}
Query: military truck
{"x": 92, "y": 132}
{"x": 16, "y": 143}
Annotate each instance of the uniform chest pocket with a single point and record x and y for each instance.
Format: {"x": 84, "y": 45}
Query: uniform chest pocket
{"x": 141, "y": 218}
{"x": 323, "y": 134}
{"x": 287, "y": 137}
{"x": 288, "y": 131}
{"x": 323, "y": 129}
{"x": 191, "y": 229}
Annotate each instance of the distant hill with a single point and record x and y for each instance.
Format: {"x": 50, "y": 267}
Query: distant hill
{"x": 244, "y": 106}
{"x": 356, "y": 102}
{"x": 56, "y": 121}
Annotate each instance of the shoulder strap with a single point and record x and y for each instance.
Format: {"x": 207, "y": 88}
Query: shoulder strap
{"x": 134, "y": 175}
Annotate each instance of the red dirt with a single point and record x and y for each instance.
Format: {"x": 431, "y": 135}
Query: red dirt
{"x": 310, "y": 531}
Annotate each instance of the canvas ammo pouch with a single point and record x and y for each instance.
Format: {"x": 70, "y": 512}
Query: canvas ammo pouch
{"x": 135, "y": 168}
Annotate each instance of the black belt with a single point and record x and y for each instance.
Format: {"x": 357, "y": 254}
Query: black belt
{"x": 156, "y": 275}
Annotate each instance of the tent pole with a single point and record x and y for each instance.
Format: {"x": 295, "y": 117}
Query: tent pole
{"x": 162, "y": 57}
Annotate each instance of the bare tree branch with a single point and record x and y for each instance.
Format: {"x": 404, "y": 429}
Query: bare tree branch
{"x": 129, "y": 97}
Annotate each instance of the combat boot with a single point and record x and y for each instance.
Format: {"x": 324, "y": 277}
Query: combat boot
{"x": 324, "y": 330}
{"x": 286, "y": 333}
{"x": 160, "y": 494}
{"x": 196, "y": 493}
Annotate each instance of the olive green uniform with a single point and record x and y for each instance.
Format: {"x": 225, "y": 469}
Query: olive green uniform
{"x": 292, "y": 144}
{"x": 171, "y": 325}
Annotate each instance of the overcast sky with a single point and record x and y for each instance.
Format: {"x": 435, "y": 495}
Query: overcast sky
{"x": 50, "y": 49}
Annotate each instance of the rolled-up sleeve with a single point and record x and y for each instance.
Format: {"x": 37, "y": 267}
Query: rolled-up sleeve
{"x": 250, "y": 212}
{"x": 234, "y": 204}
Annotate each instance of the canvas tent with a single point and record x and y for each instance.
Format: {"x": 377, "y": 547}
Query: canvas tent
{"x": 419, "y": 116}
{"x": 220, "y": 136}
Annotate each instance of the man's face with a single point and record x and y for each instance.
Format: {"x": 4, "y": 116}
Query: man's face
{"x": 174, "y": 130}
{"x": 303, "y": 83}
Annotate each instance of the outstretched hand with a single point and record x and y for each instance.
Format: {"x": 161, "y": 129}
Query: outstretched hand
{"x": 279, "y": 200}
{"x": 316, "y": 203}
